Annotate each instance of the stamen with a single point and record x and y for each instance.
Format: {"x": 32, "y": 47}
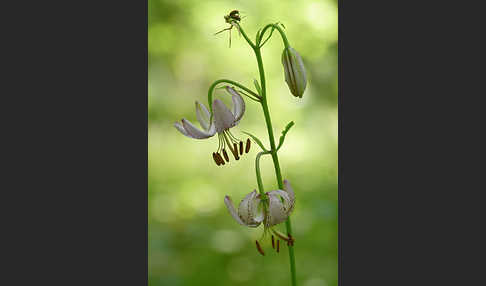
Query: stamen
{"x": 259, "y": 248}
{"x": 273, "y": 242}
{"x": 235, "y": 153}
{"x": 233, "y": 137}
{"x": 225, "y": 155}
{"x": 220, "y": 158}
{"x": 241, "y": 147}
{"x": 219, "y": 142}
{"x": 248, "y": 143}
{"x": 216, "y": 159}
{"x": 278, "y": 245}
{"x": 233, "y": 148}
{"x": 291, "y": 240}
{"x": 280, "y": 235}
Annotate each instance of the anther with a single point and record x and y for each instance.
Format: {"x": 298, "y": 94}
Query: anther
{"x": 259, "y": 248}
{"x": 273, "y": 242}
{"x": 278, "y": 245}
{"x": 247, "y": 145}
{"x": 220, "y": 158}
{"x": 216, "y": 159}
{"x": 235, "y": 153}
{"x": 225, "y": 155}
{"x": 241, "y": 147}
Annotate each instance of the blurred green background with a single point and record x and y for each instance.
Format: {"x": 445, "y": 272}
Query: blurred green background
{"x": 192, "y": 238}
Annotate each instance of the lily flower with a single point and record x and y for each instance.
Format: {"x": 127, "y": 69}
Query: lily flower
{"x": 221, "y": 121}
{"x": 274, "y": 209}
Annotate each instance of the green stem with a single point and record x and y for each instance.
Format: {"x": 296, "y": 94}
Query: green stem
{"x": 211, "y": 88}
{"x": 273, "y": 150}
{"x": 282, "y": 34}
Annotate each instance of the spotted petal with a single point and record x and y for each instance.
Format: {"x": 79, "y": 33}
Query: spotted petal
{"x": 289, "y": 190}
{"x": 229, "y": 204}
{"x": 223, "y": 118}
{"x": 279, "y": 210}
{"x": 249, "y": 211}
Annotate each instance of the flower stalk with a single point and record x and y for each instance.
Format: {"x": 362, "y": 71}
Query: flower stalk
{"x": 268, "y": 121}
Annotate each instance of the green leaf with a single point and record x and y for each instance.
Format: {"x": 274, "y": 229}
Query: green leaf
{"x": 257, "y": 86}
{"x": 256, "y": 141}
{"x": 271, "y": 32}
{"x": 284, "y": 132}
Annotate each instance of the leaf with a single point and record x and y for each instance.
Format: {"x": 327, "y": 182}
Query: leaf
{"x": 256, "y": 141}
{"x": 284, "y": 133}
{"x": 271, "y": 32}
{"x": 257, "y": 86}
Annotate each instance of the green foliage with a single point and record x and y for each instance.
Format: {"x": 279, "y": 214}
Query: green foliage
{"x": 256, "y": 140}
{"x": 284, "y": 133}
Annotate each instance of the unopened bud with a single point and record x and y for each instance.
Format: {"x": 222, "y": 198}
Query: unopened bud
{"x": 294, "y": 70}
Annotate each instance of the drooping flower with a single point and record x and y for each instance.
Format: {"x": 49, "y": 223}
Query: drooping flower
{"x": 274, "y": 209}
{"x": 294, "y": 70}
{"x": 221, "y": 121}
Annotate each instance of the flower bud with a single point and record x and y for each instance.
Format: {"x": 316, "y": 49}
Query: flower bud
{"x": 294, "y": 71}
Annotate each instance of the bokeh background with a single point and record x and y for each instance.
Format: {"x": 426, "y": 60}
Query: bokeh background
{"x": 192, "y": 238}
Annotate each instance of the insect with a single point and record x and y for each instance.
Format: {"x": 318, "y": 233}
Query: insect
{"x": 232, "y": 16}
{"x": 235, "y": 15}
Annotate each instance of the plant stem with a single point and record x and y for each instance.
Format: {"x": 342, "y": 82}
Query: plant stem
{"x": 273, "y": 151}
{"x": 268, "y": 121}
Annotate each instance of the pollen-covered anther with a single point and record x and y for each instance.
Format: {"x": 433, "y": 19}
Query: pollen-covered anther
{"x": 215, "y": 158}
{"x": 235, "y": 152}
{"x": 248, "y": 143}
{"x": 221, "y": 161}
{"x": 259, "y": 248}
{"x": 225, "y": 155}
{"x": 241, "y": 147}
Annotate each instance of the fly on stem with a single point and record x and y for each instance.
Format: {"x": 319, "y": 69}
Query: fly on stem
{"x": 233, "y": 16}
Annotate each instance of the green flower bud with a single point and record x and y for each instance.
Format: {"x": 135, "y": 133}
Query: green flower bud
{"x": 294, "y": 71}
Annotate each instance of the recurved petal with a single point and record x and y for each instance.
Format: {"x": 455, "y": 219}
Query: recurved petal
{"x": 223, "y": 118}
{"x": 229, "y": 204}
{"x": 194, "y": 132}
{"x": 289, "y": 190}
{"x": 288, "y": 201}
{"x": 238, "y": 104}
{"x": 178, "y": 126}
{"x": 203, "y": 115}
{"x": 249, "y": 211}
{"x": 277, "y": 211}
